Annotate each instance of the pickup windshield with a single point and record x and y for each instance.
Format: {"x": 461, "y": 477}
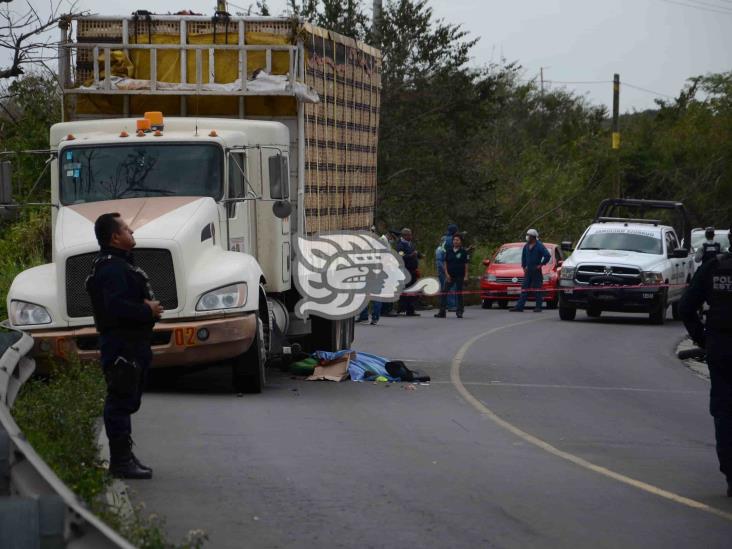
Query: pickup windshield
{"x": 110, "y": 172}
{"x": 630, "y": 242}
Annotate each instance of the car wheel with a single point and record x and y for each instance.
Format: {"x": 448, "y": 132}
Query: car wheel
{"x": 567, "y": 313}
{"x": 503, "y": 304}
{"x": 658, "y": 315}
{"x": 486, "y": 304}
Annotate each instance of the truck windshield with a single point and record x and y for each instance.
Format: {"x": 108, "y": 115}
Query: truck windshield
{"x": 109, "y": 172}
{"x": 631, "y": 242}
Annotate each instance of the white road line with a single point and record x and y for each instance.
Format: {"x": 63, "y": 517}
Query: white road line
{"x": 577, "y": 387}
{"x": 553, "y": 450}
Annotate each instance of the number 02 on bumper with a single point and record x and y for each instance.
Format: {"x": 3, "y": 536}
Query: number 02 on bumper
{"x": 185, "y": 337}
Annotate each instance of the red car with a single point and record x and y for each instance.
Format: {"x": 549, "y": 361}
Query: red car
{"x": 503, "y": 276}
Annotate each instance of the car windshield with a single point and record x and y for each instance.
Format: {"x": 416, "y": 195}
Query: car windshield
{"x": 631, "y": 242}
{"x": 93, "y": 174}
{"x": 508, "y": 256}
{"x": 698, "y": 238}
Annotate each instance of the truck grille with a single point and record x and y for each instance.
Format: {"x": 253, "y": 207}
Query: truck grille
{"x": 607, "y": 275}
{"x": 158, "y": 264}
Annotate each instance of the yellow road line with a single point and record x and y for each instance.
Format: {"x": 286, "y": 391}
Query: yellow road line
{"x": 553, "y": 450}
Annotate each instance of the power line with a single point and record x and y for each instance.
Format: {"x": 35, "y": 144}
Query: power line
{"x": 647, "y": 90}
{"x": 699, "y": 7}
{"x": 710, "y": 5}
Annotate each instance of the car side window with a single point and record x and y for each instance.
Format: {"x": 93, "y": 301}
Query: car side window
{"x": 671, "y": 243}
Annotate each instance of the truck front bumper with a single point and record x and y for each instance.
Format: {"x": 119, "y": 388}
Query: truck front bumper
{"x": 633, "y": 300}
{"x": 187, "y": 342}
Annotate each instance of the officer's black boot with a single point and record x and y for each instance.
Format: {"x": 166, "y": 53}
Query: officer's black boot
{"x": 122, "y": 463}
{"x": 134, "y": 457}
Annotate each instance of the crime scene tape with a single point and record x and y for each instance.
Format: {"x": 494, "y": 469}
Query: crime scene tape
{"x": 567, "y": 290}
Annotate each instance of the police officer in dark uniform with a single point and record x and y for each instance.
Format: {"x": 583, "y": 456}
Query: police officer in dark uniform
{"x": 125, "y": 311}
{"x": 709, "y": 248}
{"x": 713, "y": 283}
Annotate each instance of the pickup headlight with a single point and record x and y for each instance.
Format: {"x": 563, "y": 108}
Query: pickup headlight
{"x": 651, "y": 278}
{"x": 228, "y": 297}
{"x": 567, "y": 273}
{"x": 28, "y": 314}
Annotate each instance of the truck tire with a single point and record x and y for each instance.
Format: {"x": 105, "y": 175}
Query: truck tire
{"x": 486, "y": 304}
{"x": 330, "y": 335}
{"x": 658, "y": 315}
{"x": 247, "y": 370}
{"x": 567, "y": 313}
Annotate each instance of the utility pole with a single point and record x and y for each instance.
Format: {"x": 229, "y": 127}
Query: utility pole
{"x": 376, "y": 23}
{"x": 616, "y": 132}
{"x": 541, "y": 78}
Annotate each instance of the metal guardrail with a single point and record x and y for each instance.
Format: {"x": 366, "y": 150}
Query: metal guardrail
{"x": 37, "y": 510}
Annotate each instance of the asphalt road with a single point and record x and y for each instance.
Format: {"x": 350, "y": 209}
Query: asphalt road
{"x": 540, "y": 433}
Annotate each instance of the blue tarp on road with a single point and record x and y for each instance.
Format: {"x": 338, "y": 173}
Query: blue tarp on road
{"x": 364, "y": 367}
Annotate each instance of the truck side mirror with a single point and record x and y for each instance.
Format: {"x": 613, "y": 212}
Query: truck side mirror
{"x": 680, "y": 253}
{"x": 566, "y": 246}
{"x": 282, "y": 209}
{"x": 6, "y": 182}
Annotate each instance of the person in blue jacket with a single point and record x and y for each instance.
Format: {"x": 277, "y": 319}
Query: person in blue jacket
{"x": 533, "y": 257}
{"x": 440, "y": 252}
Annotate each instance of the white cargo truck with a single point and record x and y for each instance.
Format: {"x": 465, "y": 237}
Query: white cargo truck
{"x": 219, "y": 141}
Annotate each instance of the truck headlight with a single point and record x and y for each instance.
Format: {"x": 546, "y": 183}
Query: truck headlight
{"x": 567, "y": 273}
{"x": 23, "y": 313}
{"x": 228, "y": 297}
{"x": 651, "y": 278}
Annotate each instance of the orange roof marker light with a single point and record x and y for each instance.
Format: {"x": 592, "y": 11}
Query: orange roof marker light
{"x": 158, "y": 133}
{"x": 140, "y": 133}
{"x": 70, "y": 137}
{"x": 124, "y": 134}
{"x": 143, "y": 125}
{"x": 156, "y": 120}
{"x": 213, "y": 133}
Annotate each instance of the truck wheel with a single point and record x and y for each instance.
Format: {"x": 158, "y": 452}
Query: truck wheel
{"x": 567, "y": 313}
{"x": 486, "y": 304}
{"x": 248, "y": 368}
{"x": 594, "y": 312}
{"x": 658, "y": 315}
{"x": 330, "y": 335}
{"x": 675, "y": 314}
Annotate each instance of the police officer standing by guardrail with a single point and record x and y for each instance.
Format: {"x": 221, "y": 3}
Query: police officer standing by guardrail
{"x": 125, "y": 311}
{"x": 712, "y": 284}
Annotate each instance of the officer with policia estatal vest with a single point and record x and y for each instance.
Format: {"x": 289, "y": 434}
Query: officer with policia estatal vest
{"x": 712, "y": 284}
{"x": 709, "y": 248}
{"x": 125, "y": 311}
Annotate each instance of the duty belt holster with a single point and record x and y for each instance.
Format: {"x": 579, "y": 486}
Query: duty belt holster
{"x": 123, "y": 377}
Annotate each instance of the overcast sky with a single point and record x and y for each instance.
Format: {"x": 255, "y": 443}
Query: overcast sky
{"x": 652, "y": 44}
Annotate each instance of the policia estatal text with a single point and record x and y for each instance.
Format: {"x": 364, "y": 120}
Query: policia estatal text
{"x": 712, "y": 283}
{"x": 125, "y": 311}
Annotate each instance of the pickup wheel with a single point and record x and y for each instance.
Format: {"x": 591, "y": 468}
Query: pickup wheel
{"x": 247, "y": 370}
{"x": 675, "y": 314}
{"x": 567, "y": 313}
{"x": 486, "y": 304}
{"x": 658, "y": 315}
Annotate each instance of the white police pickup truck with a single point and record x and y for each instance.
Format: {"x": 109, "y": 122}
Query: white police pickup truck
{"x": 626, "y": 264}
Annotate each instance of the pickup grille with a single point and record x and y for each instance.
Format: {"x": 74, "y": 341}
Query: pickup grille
{"x": 607, "y": 275}
{"x": 158, "y": 264}
{"x": 509, "y": 279}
